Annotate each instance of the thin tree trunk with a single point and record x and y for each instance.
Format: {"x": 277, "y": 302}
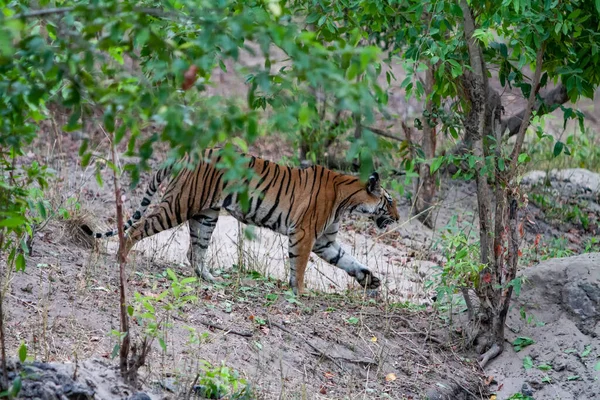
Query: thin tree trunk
{"x": 4, "y": 382}
{"x": 124, "y": 350}
{"x": 426, "y": 182}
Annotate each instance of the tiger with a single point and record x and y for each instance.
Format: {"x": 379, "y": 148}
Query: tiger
{"x": 304, "y": 204}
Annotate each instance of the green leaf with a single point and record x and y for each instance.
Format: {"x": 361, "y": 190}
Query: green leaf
{"x": 352, "y": 71}
{"x": 13, "y": 222}
{"x": 523, "y": 157}
{"x": 436, "y": 164}
{"x": 23, "y": 352}
{"x": 109, "y": 121}
{"x": 522, "y": 342}
{"x": 304, "y": 115}
{"x": 353, "y": 320}
{"x": 586, "y": 351}
{"x": 544, "y": 367}
{"x": 163, "y": 345}
{"x": 527, "y": 362}
{"x": 16, "y": 386}
{"x": 20, "y": 262}
{"x": 130, "y": 310}
{"x": 171, "y": 275}
{"x": 115, "y": 350}
{"x": 558, "y": 148}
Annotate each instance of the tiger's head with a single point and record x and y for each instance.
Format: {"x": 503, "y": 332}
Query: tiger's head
{"x": 378, "y": 204}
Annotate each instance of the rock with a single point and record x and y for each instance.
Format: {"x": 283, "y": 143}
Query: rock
{"x": 139, "y": 396}
{"x": 169, "y": 384}
{"x": 527, "y": 390}
{"x": 577, "y": 301}
{"x": 566, "y": 285}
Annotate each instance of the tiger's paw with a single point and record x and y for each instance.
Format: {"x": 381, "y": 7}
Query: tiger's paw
{"x": 367, "y": 280}
{"x": 208, "y": 277}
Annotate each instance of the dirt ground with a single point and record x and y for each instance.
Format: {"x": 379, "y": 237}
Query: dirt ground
{"x": 335, "y": 343}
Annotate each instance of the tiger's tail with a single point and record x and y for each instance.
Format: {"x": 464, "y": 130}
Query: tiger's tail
{"x": 151, "y": 190}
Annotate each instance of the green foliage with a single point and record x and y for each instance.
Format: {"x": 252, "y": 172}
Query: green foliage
{"x": 154, "y": 312}
{"x": 217, "y": 381}
{"x": 462, "y": 266}
{"x": 520, "y": 396}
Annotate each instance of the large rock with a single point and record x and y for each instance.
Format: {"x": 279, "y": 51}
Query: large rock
{"x": 566, "y": 285}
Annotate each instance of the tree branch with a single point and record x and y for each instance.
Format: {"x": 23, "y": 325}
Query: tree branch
{"x": 555, "y": 97}
{"x": 43, "y": 13}
{"x": 155, "y": 12}
{"x": 528, "y": 109}
{"x": 383, "y": 133}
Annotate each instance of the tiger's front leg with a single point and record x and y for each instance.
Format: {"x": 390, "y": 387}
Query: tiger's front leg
{"x": 330, "y": 250}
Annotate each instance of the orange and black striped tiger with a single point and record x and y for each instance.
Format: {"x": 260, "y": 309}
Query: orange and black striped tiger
{"x": 304, "y": 204}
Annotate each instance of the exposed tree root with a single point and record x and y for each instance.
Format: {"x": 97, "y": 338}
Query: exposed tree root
{"x": 489, "y": 355}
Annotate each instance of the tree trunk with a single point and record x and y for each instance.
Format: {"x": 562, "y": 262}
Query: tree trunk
{"x": 489, "y": 340}
{"x": 500, "y": 247}
{"x": 423, "y": 205}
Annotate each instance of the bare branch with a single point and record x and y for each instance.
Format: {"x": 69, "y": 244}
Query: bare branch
{"x": 63, "y": 10}
{"x": 43, "y": 13}
{"x": 530, "y": 102}
{"x": 383, "y": 133}
{"x": 556, "y": 96}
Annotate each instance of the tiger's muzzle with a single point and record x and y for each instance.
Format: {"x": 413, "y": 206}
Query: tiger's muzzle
{"x": 383, "y": 222}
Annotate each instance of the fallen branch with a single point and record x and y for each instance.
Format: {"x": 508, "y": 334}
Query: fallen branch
{"x": 321, "y": 353}
{"x": 426, "y": 335}
{"x": 365, "y": 361}
{"x": 215, "y": 326}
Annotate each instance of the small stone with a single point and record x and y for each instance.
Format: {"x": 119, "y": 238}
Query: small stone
{"x": 527, "y": 390}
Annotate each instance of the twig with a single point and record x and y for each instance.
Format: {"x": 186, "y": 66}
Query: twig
{"x": 189, "y": 394}
{"x": 215, "y": 326}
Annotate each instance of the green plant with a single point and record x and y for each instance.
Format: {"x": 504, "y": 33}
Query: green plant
{"x": 217, "y": 381}
{"x": 460, "y": 272}
{"x": 155, "y": 312}
{"x": 520, "y": 396}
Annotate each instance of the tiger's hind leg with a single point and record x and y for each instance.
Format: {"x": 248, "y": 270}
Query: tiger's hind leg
{"x": 202, "y": 226}
{"x": 327, "y": 248}
{"x": 299, "y": 251}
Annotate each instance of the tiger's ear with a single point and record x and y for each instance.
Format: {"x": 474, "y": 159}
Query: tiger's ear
{"x": 374, "y": 185}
